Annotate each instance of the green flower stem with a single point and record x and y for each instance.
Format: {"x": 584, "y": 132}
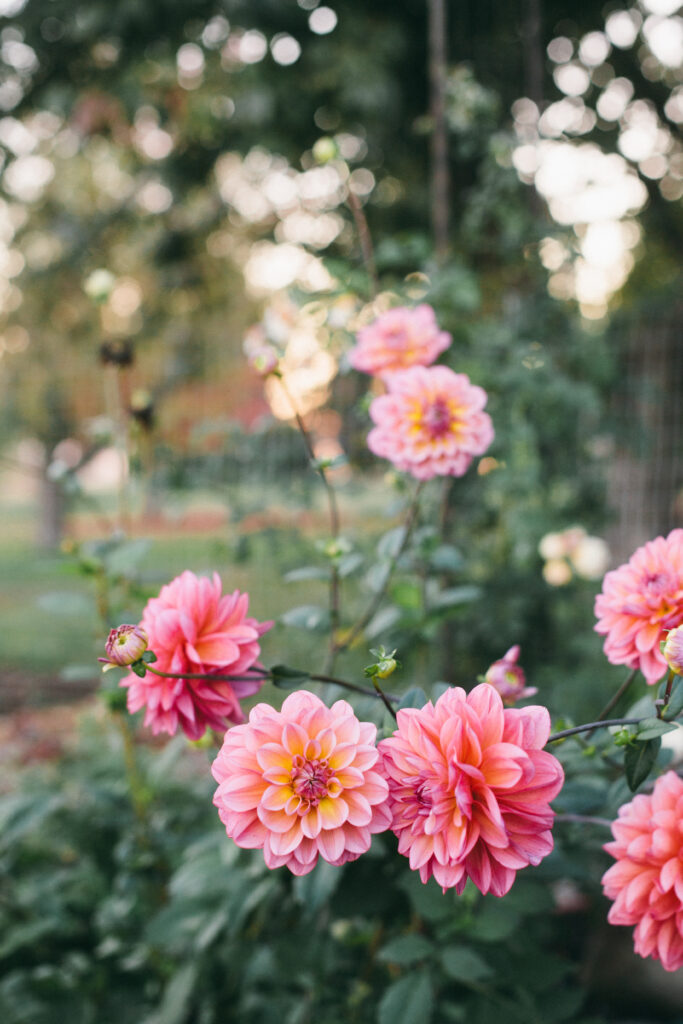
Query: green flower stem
{"x": 385, "y": 700}
{"x": 212, "y": 676}
{"x": 669, "y": 687}
{"x": 603, "y": 724}
{"x": 364, "y": 237}
{"x": 335, "y": 597}
{"x": 361, "y": 623}
{"x": 581, "y": 819}
{"x": 264, "y": 674}
{"x": 136, "y": 786}
{"x": 614, "y": 700}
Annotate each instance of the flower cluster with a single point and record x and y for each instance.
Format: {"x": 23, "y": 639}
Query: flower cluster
{"x": 193, "y": 630}
{"x": 573, "y": 551}
{"x": 464, "y": 784}
{"x": 646, "y": 883}
{"x": 640, "y": 602}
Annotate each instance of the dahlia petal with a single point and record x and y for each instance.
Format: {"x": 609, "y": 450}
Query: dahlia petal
{"x": 331, "y": 843}
{"x": 333, "y": 813}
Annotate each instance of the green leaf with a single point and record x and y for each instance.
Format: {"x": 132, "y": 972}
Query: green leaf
{"x": 125, "y": 558}
{"x": 139, "y": 669}
{"x": 408, "y": 1001}
{"x": 651, "y": 728}
{"x": 383, "y": 621}
{"x": 308, "y": 616}
{"x": 285, "y": 677}
{"x": 149, "y": 657}
{"x": 428, "y": 900}
{"x": 455, "y": 596}
{"x": 177, "y": 995}
{"x": 78, "y": 673}
{"x": 407, "y": 594}
{"x": 306, "y": 572}
{"x": 639, "y": 759}
{"x": 415, "y": 697}
{"x": 463, "y": 964}
{"x": 494, "y": 921}
{"x": 446, "y": 558}
{"x": 66, "y": 603}
{"x": 349, "y": 563}
{"x": 315, "y": 889}
{"x": 405, "y": 950}
{"x": 390, "y": 543}
{"x": 675, "y": 705}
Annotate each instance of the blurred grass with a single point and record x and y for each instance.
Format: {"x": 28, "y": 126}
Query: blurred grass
{"x": 49, "y": 625}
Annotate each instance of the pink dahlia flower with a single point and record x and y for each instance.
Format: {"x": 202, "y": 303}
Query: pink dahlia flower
{"x": 397, "y": 339}
{"x": 508, "y": 678}
{"x": 193, "y": 628}
{"x": 646, "y": 883}
{"x": 430, "y": 423}
{"x": 301, "y": 782}
{"x": 640, "y": 602}
{"x": 469, "y": 788}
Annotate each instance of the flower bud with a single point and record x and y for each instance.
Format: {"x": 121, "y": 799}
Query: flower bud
{"x": 99, "y": 285}
{"x": 264, "y": 360}
{"x": 125, "y": 645}
{"x": 324, "y": 150}
{"x": 386, "y": 667}
{"x": 673, "y": 650}
{"x": 508, "y": 678}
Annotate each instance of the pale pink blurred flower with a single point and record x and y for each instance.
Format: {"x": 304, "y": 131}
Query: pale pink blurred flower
{"x": 430, "y": 423}
{"x": 469, "y": 788}
{"x": 301, "y": 783}
{"x": 508, "y": 678}
{"x": 397, "y": 339}
{"x": 673, "y": 650}
{"x": 639, "y": 602}
{"x": 646, "y": 883}
{"x": 125, "y": 644}
{"x": 193, "y": 628}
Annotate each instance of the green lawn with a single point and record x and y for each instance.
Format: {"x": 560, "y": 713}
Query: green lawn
{"x": 49, "y": 622}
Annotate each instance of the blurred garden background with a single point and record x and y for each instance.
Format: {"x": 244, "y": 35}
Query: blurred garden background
{"x": 182, "y": 178}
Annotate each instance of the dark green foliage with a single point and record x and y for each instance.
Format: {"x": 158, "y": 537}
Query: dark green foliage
{"x": 106, "y": 916}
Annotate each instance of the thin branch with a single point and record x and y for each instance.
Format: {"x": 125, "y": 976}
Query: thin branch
{"x": 367, "y": 615}
{"x": 613, "y": 701}
{"x": 265, "y": 675}
{"x": 437, "y": 84}
{"x": 590, "y": 726}
{"x": 582, "y": 819}
{"x": 365, "y": 690}
{"x": 334, "y": 600}
{"x": 364, "y": 237}
{"x": 211, "y": 677}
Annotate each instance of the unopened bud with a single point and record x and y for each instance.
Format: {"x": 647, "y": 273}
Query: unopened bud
{"x": 508, "y": 678}
{"x": 324, "y": 150}
{"x": 386, "y": 667}
{"x": 673, "y": 650}
{"x": 264, "y": 360}
{"x": 125, "y": 645}
{"x": 99, "y": 285}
